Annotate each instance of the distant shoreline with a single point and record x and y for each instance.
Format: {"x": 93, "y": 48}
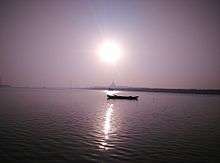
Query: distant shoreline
{"x": 136, "y": 89}
{"x": 164, "y": 90}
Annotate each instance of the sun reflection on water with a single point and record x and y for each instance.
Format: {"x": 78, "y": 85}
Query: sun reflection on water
{"x": 107, "y": 123}
{"x": 111, "y": 92}
{"x": 107, "y": 126}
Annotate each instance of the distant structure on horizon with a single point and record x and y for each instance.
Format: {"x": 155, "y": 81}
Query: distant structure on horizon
{"x": 112, "y": 86}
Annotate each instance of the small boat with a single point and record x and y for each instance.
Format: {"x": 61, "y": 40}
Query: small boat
{"x": 122, "y": 97}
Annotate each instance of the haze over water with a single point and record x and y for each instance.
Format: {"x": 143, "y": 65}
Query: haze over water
{"x": 81, "y": 125}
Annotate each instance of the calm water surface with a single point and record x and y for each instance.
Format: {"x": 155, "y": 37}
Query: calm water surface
{"x": 82, "y": 126}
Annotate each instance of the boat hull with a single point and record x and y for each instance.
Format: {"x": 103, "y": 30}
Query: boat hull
{"x": 122, "y": 97}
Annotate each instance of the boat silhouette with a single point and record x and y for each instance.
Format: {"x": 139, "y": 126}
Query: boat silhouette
{"x": 122, "y": 97}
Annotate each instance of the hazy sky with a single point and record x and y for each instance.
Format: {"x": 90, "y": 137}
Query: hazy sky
{"x": 166, "y": 43}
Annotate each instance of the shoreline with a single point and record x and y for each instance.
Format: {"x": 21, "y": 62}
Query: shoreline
{"x": 132, "y": 89}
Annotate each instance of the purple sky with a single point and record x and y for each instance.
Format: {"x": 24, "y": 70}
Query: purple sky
{"x": 167, "y": 43}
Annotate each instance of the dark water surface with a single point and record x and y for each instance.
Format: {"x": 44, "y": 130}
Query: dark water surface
{"x": 82, "y": 126}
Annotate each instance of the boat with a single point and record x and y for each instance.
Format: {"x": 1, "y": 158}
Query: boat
{"x": 122, "y": 97}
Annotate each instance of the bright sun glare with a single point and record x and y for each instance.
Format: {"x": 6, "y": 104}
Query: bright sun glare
{"x": 110, "y": 52}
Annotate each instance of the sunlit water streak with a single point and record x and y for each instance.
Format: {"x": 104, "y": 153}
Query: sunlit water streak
{"x": 107, "y": 126}
{"x": 111, "y": 92}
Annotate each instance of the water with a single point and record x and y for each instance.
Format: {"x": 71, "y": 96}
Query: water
{"x": 82, "y": 126}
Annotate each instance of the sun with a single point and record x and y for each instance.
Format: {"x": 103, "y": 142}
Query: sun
{"x": 109, "y": 52}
